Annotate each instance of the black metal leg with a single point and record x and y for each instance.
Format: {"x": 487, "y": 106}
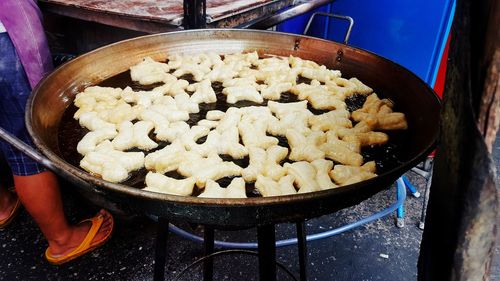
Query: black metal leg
{"x": 266, "y": 238}
{"x": 208, "y": 264}
{"x": 302, "y": 243}
{"x": 195, "y": 14}
{"x": 161, "y": 249}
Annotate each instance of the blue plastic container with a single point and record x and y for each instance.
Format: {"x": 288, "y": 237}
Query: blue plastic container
{"x": 411, "y": 33}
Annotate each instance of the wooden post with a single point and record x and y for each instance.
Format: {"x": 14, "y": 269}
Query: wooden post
{"x": 462, "y": 215}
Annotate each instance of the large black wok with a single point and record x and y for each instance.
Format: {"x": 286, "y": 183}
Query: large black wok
{"x": 56, "y": 92}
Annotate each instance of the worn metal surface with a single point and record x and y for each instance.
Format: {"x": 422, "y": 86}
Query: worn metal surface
{"x": 49, "y": 100}
{"x": 159, "y": 16}
{"x": 296, "y": 10}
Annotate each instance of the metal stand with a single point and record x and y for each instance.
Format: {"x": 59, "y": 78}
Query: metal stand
{"x": 425, "y": 170}
{"x": 161, "y": 249}
{"x": 208, "y": 264}
{"x": 266, "y": 238}
{"x": 302, "y": 244}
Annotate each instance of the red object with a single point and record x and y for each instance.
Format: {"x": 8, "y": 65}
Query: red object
{"x": 439, "y": 85}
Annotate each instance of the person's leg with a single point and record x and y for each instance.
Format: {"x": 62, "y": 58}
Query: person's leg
{"x": 7, "y": 202}
{"x": 37, "y": 189}
{"x": 40, "y": 196}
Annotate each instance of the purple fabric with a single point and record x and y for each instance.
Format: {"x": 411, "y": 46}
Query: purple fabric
{"x": 23, "y": 21}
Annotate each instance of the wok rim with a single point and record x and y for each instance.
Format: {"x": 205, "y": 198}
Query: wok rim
{"x": 219, "y": 202}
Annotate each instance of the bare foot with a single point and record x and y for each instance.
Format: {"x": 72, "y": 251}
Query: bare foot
{"x": 78, "y": 235}
{"x": 7, "y": 203}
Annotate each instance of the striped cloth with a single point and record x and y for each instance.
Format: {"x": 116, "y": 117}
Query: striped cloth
{"x": 14, "y": 92}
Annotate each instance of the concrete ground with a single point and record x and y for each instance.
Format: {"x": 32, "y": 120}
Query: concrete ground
{"x": 376, "y": 251}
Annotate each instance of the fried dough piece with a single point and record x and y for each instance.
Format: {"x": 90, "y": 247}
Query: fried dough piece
{"x": 353, "y": 144}
{"x": 280, "y": 76}
{"x": 222, "y": 143}
{"x": 318, "y": 96}
{"x": 344, "y": 175}
{"x": 341, "y": 87}
{"x": 230, "y": 119}
{"x": 198, "y": 71}
{"x": 304, "y": 175}
{"x": 134, "y": 135}
{"x": 368, "y": 138}
{"x": 167, "y": 106}
{"x": 361, "y": 127}
{"x": 161, "y": 123}
{"x": 177, "y": 87}
{"x": 203, "y": 92}
{"x": 265, "y": 162}
{"x": 297, "y": 62}
{"x": 274, "y": 91}
{"x": 247, "y": 58}
{"x": 320, "y": 73}
{"x": 222, "y": 72}
{"x": 159, "y": 183}
{"x": 323, "y": 167}
{"x": 190, "y": 137}
{"x": 210, "y": 124}
{"x": 215, "y": 115}
{"x": 93, "y": 122}
{"x": 290, "y": 116}
{"x": 241, "y": 82}
{"x": 184, "y": 103}
{"x": 305, "y": 148}
{"x": 322, "y": 101}
{"x": 378, "y": 114}
{"x": 330, "y": 120}
{"x": 96, "y": 98}
{"x": 387, "y": 121}
{"x": 112, "y": 165}
{"x": 341, "y": 152}
{"x": 253, "y": 132}
{"x": 149, "y": 71}
{"x": 90, "y": 141}
{"x": 121, "y": 112}
{"x": 239, "y": 93}
{"x": 166, "y": 159}
{"x": 141, "y": 138}
{"x": 360, "y": 87}
{"x": 144, "y": 98}
{"x": 281, "y": 109}
{"x": 373, "y": 104}
{"x": 272, "y": 65}
{"x": 236, "y": 189}
{"x": 175, "y": 130}
{"x": 269, "y": 187}
{"x": 205, "y": 168}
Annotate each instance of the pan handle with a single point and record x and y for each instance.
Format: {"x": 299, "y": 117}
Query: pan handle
{"x": 40, "y": 158}
{"x": 347, "y": 18}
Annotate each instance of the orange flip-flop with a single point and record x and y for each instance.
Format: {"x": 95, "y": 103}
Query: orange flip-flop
{"x": 8, "y": 220}
{"x": 86, "y": 245}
